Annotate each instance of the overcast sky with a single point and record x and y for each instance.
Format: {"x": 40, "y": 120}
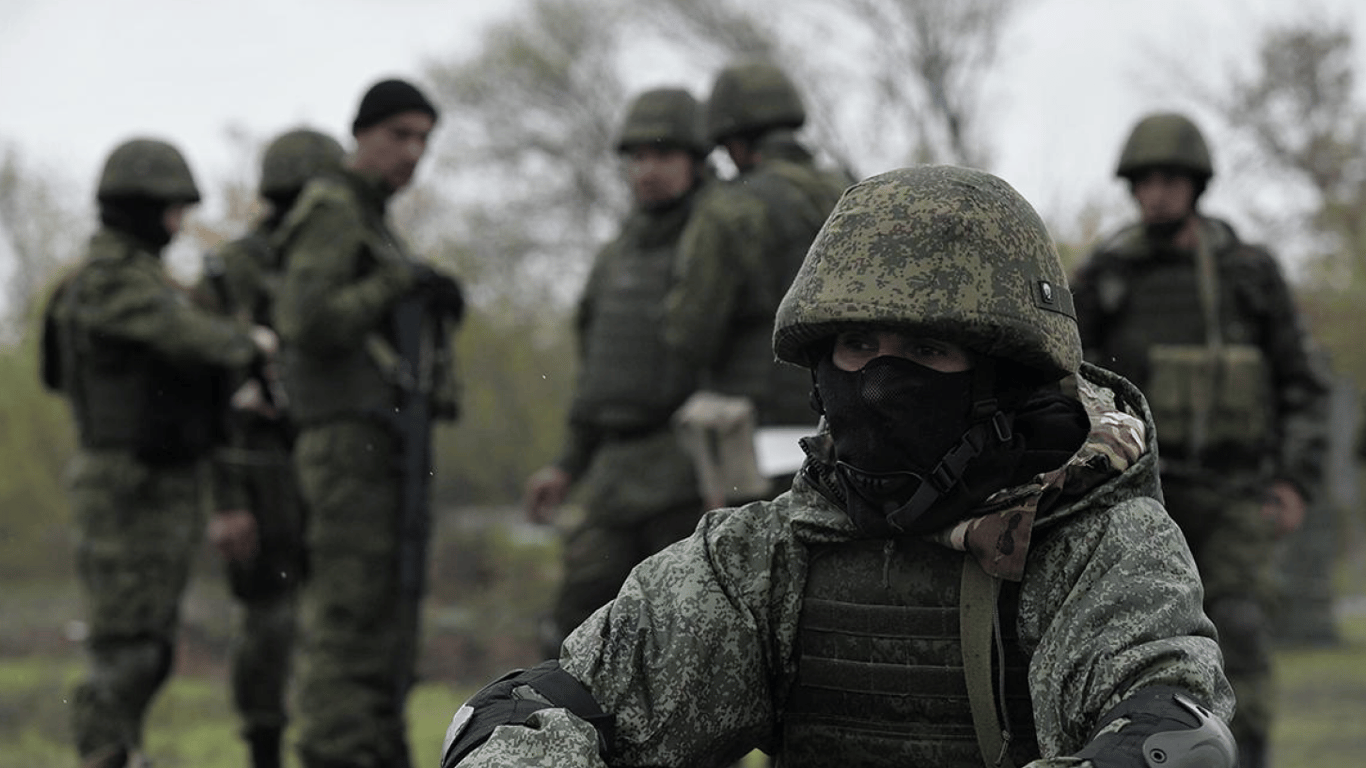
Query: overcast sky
{"x": 78, "y": 76}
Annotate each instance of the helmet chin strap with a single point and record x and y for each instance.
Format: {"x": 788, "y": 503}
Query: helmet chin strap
{"x": 989, "y": 424}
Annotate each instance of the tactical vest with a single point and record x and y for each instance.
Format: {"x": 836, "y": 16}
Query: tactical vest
{"x": 126, "y": 397}
{"x": 1156, "y": 337}
{"x": 796, "y": 202}
{"x": 364, "y": 379}
{"x": 880, "y": 678}
{"x": 628, "y": 381}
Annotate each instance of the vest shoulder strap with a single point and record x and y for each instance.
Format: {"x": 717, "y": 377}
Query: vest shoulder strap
{"x": 977, "y": 617}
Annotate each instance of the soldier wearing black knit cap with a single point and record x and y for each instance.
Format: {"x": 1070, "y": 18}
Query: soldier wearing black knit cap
{"x": 365, "y": 327}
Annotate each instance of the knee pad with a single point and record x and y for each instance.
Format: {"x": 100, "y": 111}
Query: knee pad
{"x": 1161, "y": 727}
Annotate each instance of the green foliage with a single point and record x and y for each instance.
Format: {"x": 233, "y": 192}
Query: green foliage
{"x": 190, "y": 725}
{"x": 36, "y": 442}
{"x": 517, "y": 375}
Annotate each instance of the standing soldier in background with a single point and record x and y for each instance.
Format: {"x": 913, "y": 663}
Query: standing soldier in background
{"x": 642, "y": 492}
{"x": 145, "y": 373}
{"x": 263, "y": 540}
{"x": 365, "y": 332}
{"x": 1206, "y": 326}
{"x": 738, "y": 255}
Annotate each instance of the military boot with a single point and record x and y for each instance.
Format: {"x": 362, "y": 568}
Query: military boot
{"x": 264, "y": 744}
{"x": 107, "y": 757}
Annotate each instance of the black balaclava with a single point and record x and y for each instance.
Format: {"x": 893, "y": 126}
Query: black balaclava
{"x": 142, "y": 217}
{"x": 1164, "y": 231}
{"x": 917, "y": 450}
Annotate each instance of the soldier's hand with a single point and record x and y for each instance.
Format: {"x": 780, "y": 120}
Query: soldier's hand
{"x": 443, "y": 290}
{"x": 265, "y": 340}
{"x": 1284, "y": 507}
{"x": 545, "y": 491}
{"x": 233, "y": 533}
{"x": 251, "y": 398}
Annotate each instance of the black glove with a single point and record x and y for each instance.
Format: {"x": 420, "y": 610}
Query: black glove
{"x": 442, "y": 290}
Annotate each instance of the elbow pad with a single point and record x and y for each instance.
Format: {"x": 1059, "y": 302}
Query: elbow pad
{"x": 511, "y": 699}
{"x": 1161, "y": 727}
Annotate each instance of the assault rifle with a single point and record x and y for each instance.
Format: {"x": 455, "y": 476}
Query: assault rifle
{"x": 420, "y": 323}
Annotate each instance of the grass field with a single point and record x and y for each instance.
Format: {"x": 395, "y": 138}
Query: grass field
{"x": 1322, "y": 720}
{"x": 487, "y": 588}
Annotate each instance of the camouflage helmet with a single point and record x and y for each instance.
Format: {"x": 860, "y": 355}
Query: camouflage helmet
{"x": 1165, "y": 139}
{"x": 947, "y": 252}
{"x": 750, "y": 98}
{"x": 295, "y": 157}
{"x": 664, "y": 116}
{"x": 147, "y": 168}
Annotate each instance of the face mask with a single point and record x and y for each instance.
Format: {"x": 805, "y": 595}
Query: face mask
{"x": 141, "y": 217}
{"x": 1164, "y": 231}
{"x": 892, "y": 422}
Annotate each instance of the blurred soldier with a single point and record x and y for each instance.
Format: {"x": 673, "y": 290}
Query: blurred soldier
{"x": 365, "y": 331}
{"x": 641, "y": 491}
{"x": 145, "y": 372}
{"x": 262, "y": 539}
{"x": 1206, "y": 326}
{"x": 739, "y": 253}
{"x": 970, "y": 569}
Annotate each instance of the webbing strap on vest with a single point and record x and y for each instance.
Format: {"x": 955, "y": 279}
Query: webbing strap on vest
{"x": 1207, "y": 277}
{"x": 976, "y": 623}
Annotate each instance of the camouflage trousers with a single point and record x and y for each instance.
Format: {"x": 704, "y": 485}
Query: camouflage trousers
{"x": 138, "y": 527}
{"x": 1234, "y": 548}
{"x": 640, "y": 496}
{"x": 266, "y": 586}
{"x": 357, "y": 637}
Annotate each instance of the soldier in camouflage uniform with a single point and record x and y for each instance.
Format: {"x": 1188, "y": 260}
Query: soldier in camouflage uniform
{"x": 355, "y": 384}
{"x": 145, "y": 372}
{"x": 971, "y": 568}
{"x": 641, "y": 493}
{"x": 744, "y": 244}
{"x": 262, "y": 539}
{"x": 1205, "y": 325}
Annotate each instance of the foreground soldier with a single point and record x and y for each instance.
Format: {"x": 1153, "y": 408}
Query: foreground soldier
{"x": 146, "y": 374}
{"x": 742, "y": 247}
{"x": 262, "y": 537}
{"x": 968, "y": 550}
{"x": 1206, "y": 326}
{"x": 641, "y": 492}
{"x": 365, "y": 330}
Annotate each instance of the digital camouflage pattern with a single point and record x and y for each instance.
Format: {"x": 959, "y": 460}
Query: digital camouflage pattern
{"x": 138, "y": 522}
{"x": 979, "y": 269}
{"x": 698, "y": 652}
{"x": 147, "y": 168}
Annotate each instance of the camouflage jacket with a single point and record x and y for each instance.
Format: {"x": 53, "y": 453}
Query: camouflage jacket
{"x": 344, "y": 269}
{"x": 1255, "y": 308}
{"x": 240, "y": 280}
{"x": 738, "y": 255}
{"x": 120, "y": 298}
{"x": 697, "y": 653}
